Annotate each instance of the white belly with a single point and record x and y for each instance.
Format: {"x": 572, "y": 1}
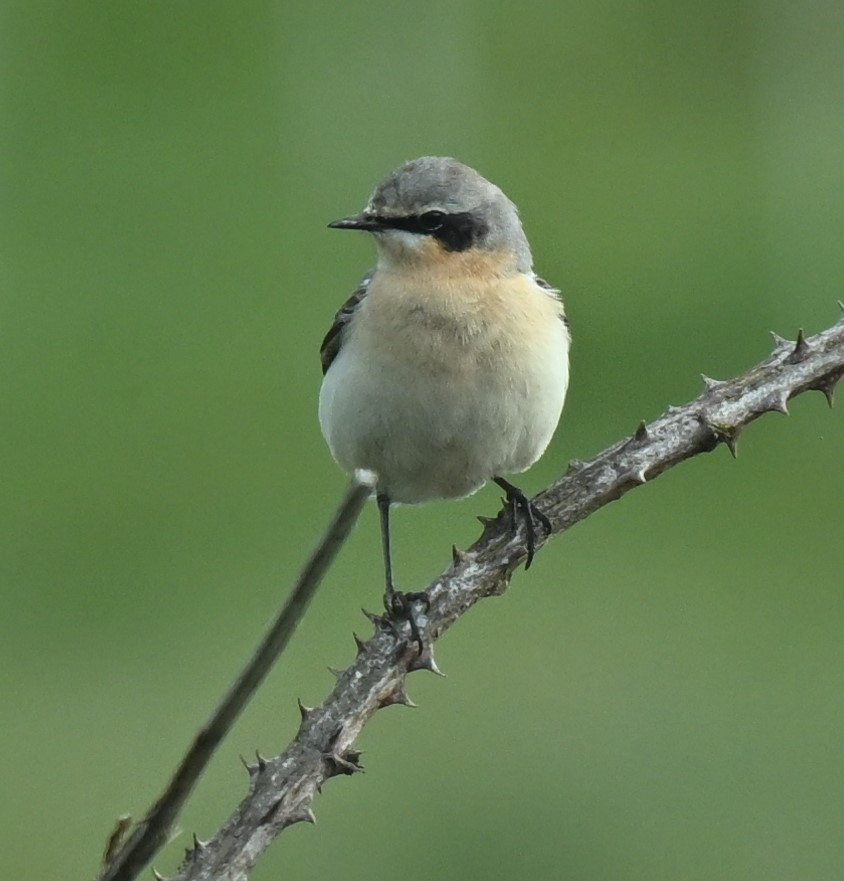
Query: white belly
{"x": 435, "y": 416}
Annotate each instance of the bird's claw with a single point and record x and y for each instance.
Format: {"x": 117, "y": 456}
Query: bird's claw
{"x": 522, "y": 506}
{"x": 399, "y": 606}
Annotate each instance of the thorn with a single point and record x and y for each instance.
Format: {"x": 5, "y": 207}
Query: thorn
{"x": 457, "y": 556}
{"x": 252, "y": 770}
{"x": 637, "y": 476}
{"x": 575, "y": 465}
{"x": 724, "y": 435}
{"x": 191, "y": 853}
{"x": 116, "y": 838}
{"x": 840, "y": 305}
{"x": 335, "y": 672}
{"x": 639, "y": 435}
{"x": 712, "y": 384}
{"x": 397, "y": 696}
{"x": 486, "y": 521}
{"x": 776, "y": 403}
{"x": 361, "y": 645}
{"x": 348, "y": 763}
{"x": 425, "y": 661}
{"x": 157, "y": 875}
{"x": 304, "y": 711}
{"x": 780, "y": 343}
{"x": 379, "y": 621}
{"x": 827, "y": 387}
{"x": 353, "y": 756}
{"x": 198, "y": 843}
{"x": 801, "y": 349}
{"x": 262, "y": 762}
{"x": 304, "y": 815}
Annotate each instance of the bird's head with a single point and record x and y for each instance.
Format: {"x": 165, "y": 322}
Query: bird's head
{"x": 432, "y": 208}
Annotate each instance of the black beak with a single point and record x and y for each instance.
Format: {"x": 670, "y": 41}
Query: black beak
{"x": 367, "y": 222}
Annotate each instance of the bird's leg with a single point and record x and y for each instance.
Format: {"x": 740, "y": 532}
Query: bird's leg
{"x": 384, "y": 512}
{"x": 398, "y": 604}
{"x": 522, "y": 506}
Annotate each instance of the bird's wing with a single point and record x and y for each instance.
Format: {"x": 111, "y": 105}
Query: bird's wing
{"x": 334, "y": 338}
{"x": 552, "y": 292}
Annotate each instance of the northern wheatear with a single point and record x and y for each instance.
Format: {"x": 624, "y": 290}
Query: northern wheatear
{"x": 448, "y": 366}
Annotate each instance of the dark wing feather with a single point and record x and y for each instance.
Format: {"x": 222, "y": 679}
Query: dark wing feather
{"x": 334, "y": 338}
{"x": 553, "y": 292}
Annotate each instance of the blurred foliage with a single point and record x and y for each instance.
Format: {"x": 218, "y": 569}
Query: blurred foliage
{"x": 662, "y": 697}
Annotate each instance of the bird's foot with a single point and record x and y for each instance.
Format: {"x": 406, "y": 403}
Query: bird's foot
{"x": 522, "y": 507}
{"x": 400, "y": 608}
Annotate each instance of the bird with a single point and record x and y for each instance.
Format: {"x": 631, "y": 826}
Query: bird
{"x": 448, "y": 365}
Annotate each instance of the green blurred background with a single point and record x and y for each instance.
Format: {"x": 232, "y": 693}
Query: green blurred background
{"x": 662, "y": 697}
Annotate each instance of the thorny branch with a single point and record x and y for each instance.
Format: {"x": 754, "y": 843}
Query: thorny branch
{"x": 282, "y": 789}
{"x": 124, "y": 859}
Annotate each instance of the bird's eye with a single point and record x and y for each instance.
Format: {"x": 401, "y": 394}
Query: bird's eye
{"x": 431, "y": 221}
